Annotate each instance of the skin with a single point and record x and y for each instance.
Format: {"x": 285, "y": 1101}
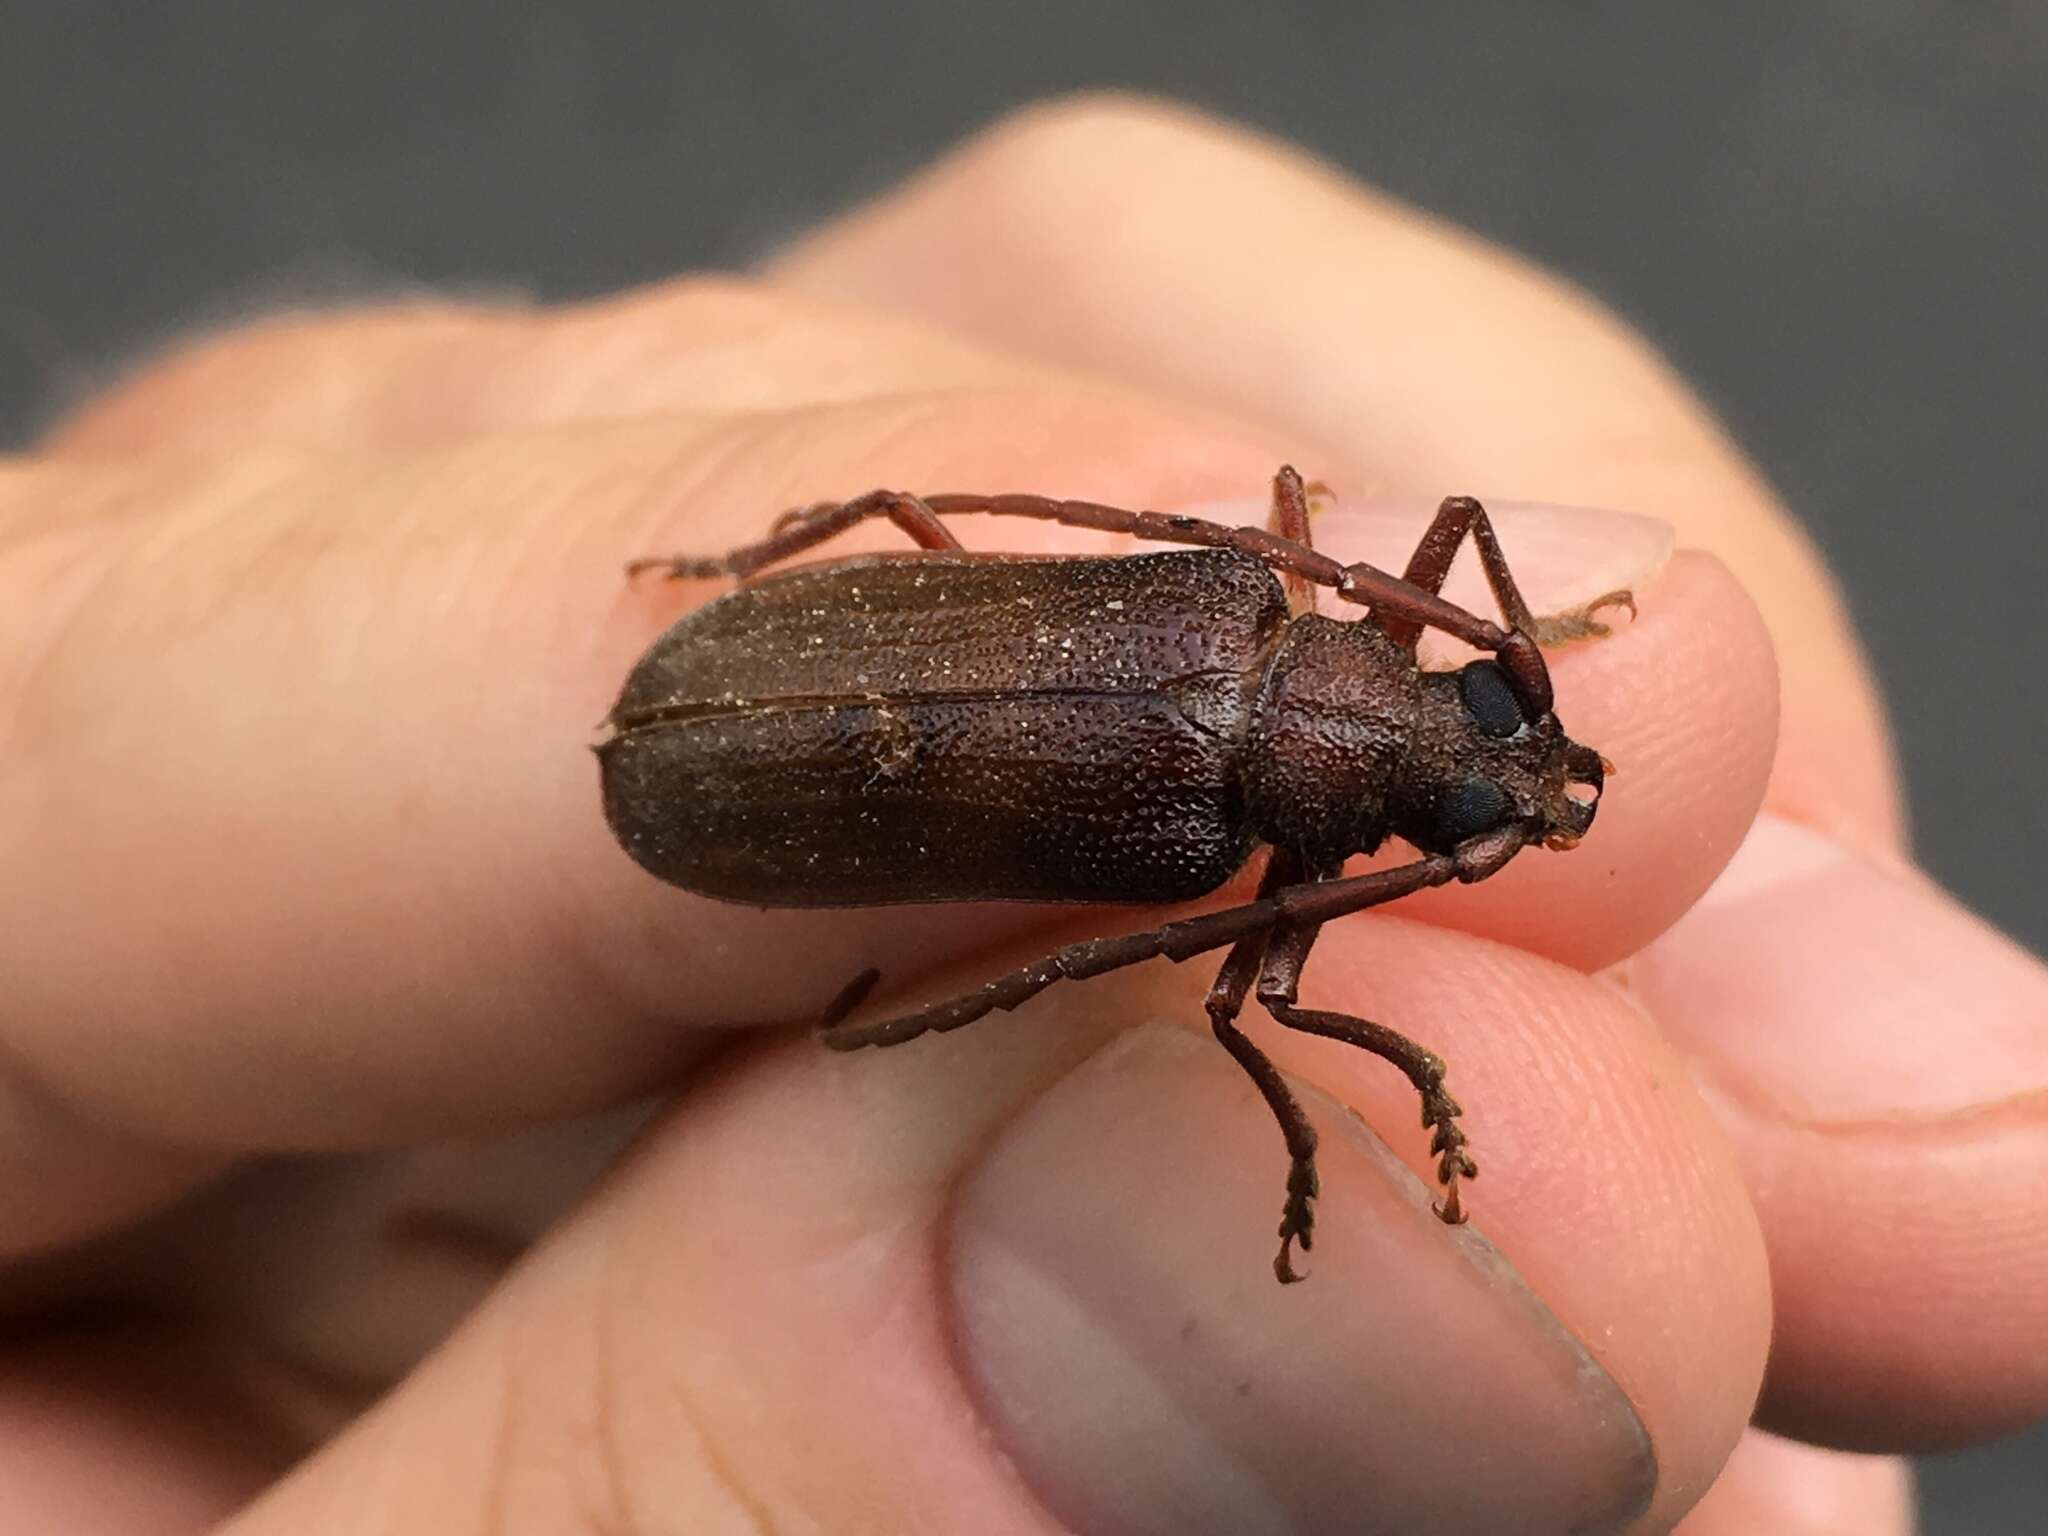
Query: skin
{"x": 302, "y": 628}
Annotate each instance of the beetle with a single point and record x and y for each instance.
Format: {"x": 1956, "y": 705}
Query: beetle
{"x": 939, "y": 725}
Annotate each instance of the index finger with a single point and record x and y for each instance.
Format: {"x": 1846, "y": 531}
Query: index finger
{"x": 1154, "y": 245}
{"x": 1873, "y": 1047}
{"x": 305, "y": 849}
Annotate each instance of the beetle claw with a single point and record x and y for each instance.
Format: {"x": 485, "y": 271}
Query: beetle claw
{"x": 1579, "y": 623}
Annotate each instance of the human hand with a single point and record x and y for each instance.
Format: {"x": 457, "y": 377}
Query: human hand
{"x": 307, "y": 627}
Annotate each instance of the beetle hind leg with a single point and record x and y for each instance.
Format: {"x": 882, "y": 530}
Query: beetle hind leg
{"x": 1260, "y": 925}
{"x": 798, "y": 530}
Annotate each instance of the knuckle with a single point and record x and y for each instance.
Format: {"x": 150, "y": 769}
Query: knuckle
{"x": 1093, "y": 116}
{"x": 1059, "y": 139}
{"x": 250, "y": 377}
{"x": 1070, "y": 442}
{"x": 714, "y": 343}
{"x": 708, "y": 303}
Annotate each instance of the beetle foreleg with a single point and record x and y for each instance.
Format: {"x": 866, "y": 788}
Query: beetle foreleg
{"x": 1457, "y": 517}
{"x": 1286, "y": 549}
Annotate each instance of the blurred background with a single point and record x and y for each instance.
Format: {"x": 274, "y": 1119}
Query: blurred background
{"x": 1831, "y": 215}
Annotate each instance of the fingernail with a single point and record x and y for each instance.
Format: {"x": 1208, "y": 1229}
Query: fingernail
{"x": 1825, "y": 987}
{"x": 1111, "y": 1269}
{"x": 1561, "y": 557}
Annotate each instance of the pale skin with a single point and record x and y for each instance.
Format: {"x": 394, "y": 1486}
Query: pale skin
{"x": 303, "y": 629}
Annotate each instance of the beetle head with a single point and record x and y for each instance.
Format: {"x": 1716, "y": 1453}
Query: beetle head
{"x": 1488, "y": 766}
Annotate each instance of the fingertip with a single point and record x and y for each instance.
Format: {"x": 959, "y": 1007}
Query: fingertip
{"x": 1682, "y": 699}
{"x": 364, "y": 884}
{"x": 1141, "y": 1190}
{"x": 304, "y": 378}
{"x": 1790, "y": 1489}
{"x": 1482, "y": 369}
{"x": 1604, "y": 1175}
{"x": 1124, "y": 1336}
{"x": 1878, "y": 1060}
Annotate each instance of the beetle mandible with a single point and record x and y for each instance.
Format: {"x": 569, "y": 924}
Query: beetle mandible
{"x": 937, "y": 725}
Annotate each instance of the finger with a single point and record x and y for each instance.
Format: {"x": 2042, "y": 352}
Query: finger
{"x": 419, "y": 372}
{"x": 1791, "y": 1489}
{"x": 1457, "y": 365}
{"x": 329, "y": 865}
{"x": 433, "y": 930}
{"x": 1026, "y": 1270}
{"x": 1881, "y": 1057}
{"x": 1149, "y": 244}
{"x": 87, "y": 1444}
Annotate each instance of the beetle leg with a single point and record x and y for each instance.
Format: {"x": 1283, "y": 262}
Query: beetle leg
{"x": 1175, "y": 941}
{"x": 1313, "y": 497}
{"x": 1282, "y": 923}
{"x": 1390, "y": 597}
{"x": 1289, "y": 556}
{"x": 1226, "y": 1000}
{"x": 1288, "y": 519}
{"x": 1431, "y": 563}
{"x": 794, "y": 532}
{"x": 1279, "y": 981}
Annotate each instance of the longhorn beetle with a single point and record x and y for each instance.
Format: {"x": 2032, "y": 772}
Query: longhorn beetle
{"x": 945, "y": 726}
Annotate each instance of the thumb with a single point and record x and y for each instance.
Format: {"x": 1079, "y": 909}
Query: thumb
{"x": 1014, "y": 1280}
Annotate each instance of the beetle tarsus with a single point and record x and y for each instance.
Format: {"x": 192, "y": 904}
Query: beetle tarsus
{"x": 800, "y": 528}
{"x": 1579, "y": 623}
{"x": 1447, "y": 1143}
{"x": 848, "y": 998}
{"x": 1423, "y": 1068}
{"x": 1297, "y": 1218}
{"x": 677, "y": 567}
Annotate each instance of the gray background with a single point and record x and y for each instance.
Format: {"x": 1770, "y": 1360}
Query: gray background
{"x": 1830, "y": 214}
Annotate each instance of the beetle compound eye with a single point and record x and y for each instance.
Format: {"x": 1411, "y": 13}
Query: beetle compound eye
{"x": 1490, "y": 699}
{"x": 1470, "y": 807}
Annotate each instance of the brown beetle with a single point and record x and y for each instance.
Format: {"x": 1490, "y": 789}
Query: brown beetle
{"x": 947, "y": 726}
